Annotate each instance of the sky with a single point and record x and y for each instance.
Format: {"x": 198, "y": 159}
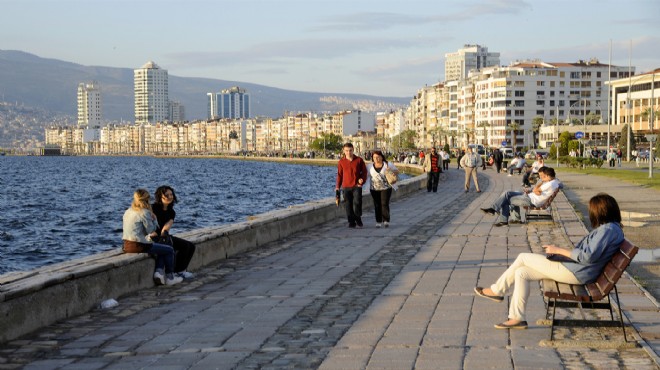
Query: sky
{"x": 374, "y": 47}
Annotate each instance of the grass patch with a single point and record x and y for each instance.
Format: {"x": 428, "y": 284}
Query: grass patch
{"x": 636, "y": 177}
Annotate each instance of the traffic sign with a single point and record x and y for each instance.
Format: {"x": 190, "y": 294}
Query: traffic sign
{"x": 579, "y": 135}
{"x": 504, "y": 143}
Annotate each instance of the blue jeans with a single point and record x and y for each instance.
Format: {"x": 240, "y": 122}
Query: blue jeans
{"x": 353, "y": 200}
{"x": 508, "y": 205}
{"x": 164, "y": 257}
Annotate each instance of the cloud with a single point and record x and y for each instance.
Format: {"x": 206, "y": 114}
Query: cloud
{"x": 274, "y": 53}
{"x": 373, "y": 21}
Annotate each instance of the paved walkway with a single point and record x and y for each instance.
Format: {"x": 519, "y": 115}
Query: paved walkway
{"x": 339, "y": 298}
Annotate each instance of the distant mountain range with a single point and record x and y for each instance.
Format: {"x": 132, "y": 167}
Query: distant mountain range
{"x": 51, "y": 85}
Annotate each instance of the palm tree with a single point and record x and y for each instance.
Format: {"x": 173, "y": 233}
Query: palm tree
{"x": 646, "y": 114}
{"x": 485, "y": 125}
{"x": 513, "y": 127}
{"x": 537, "y": 122}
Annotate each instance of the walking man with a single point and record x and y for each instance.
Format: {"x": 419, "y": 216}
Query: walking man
{"x": 470, "y": 162}
{"x": 498, "y": 157}
{"x": 351, "y": 175}
{"x": 432, "y": 167}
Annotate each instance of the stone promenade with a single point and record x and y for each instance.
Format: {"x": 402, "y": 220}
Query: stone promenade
{"x": 338, "y": 298}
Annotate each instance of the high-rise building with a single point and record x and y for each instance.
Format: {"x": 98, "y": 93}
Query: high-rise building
{"x": 89, "y": 105}
{"x": 230, "y": 103}
{"x": 177, "y": 112}
{"x": 471, "y": 57}
{"x": 151, "y": 94}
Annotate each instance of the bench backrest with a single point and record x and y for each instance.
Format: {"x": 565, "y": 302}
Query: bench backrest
{"x": 612, "y": 272}
{"x": 548, "y": 202}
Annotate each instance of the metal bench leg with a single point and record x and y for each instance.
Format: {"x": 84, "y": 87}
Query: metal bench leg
{"x": 618, "y": 305}
{"x": 552, "y": 322}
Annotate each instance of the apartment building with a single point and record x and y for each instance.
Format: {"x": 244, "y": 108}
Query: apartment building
{"x": 231, "y": 103}
{"x": 643, "y": 94}
{"x": 151, "y": 94}
{"x": 89, "y": 105}
{"x": 471, "y": 57}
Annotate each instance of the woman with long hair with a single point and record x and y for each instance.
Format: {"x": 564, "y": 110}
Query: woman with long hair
{"x": 139, "y": 228}
{"x": 163, "y": 208}
{"x": 380, "y": 188}
{"x": 580, "y": 265}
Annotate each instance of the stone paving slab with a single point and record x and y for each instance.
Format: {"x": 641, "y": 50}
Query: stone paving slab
{"x": 336, "y": 298}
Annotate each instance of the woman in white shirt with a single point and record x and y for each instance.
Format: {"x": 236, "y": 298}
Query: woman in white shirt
{"x": 380, "y": 188}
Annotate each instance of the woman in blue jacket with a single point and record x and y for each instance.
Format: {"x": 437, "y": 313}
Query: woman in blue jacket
{"x": 580, "y": 265}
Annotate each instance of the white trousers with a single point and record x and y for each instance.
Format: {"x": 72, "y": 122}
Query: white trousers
{"x": 526, "y": 268}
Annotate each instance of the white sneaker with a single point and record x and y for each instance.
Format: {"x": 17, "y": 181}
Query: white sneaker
{"x": 509, "y": 175}
{"x": 159, "y": 278}
{"x": 174, "y": 280}
{"x": 378, "y": 225}
{"x": 386, "y": 224}
{"x": 186, "y": 274}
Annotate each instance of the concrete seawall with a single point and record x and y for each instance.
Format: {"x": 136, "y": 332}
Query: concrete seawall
{"x": 33, "y": 299}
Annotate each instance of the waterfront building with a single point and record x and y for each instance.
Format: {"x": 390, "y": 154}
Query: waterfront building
{"x": 229, "y": 103}
{"x": 89, "y": 105}
{"x": 643, "y": 94}
{"x": 471, "y": 57}
{"x": 177, "y": 111}
{"x": 151, "y": 94}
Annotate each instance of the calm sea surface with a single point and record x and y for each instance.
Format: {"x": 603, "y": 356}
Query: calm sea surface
{"x": 54, "y": 209}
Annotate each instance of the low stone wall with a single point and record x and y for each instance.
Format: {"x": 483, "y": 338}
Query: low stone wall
{"x": 33, "y": 299}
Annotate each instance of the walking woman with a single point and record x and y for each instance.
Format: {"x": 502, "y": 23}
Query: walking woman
{"x": 580, "y": 265}
{"x": 163, "y": 208}
{"x": 380, "y": 188}
{"x": 139, "y": 229}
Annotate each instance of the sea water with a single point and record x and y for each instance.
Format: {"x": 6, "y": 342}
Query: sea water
{"x": 54, "y": 209}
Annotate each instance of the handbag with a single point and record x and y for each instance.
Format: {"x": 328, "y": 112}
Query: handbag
{"x": 165, "y": 238}
{"x": 391, "y": 177}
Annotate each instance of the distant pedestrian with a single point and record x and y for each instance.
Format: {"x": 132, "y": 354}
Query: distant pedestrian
{"x": 471, "y": 161}
{"x": 611, "y": 158}
{"x": 459, "y": 156}
{"x": 380, "y": 188}
{"x": 432, "y": 167}
{"x": 498, "y": 157}
{"x": 351, "y": 175}
{"x": 445, "y": 160}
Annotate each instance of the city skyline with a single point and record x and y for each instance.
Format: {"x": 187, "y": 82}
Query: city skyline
{"x": 384, "y": 48}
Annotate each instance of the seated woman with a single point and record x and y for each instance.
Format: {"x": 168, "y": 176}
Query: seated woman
{"x": 534, "y": 170}
{"x": 581, "y": 265}
{"x": 163, "y": 208}
{"x": 139, "y": 229}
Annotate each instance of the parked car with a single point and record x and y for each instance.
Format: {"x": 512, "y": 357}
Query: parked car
{"x": 507, "y": 152}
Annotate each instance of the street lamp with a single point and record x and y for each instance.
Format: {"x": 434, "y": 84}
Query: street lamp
{"x": 584, "y": 121}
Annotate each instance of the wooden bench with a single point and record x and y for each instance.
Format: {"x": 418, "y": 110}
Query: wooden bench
{"x": 542, "y": 212}
{"x": 590, "y": 295}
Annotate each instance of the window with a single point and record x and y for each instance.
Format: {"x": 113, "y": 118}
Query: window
{"x": 540, "y": 83}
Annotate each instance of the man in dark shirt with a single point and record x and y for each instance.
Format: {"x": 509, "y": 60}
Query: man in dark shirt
{"x": 498, "y": 157}
{"x": 351, "y": 175}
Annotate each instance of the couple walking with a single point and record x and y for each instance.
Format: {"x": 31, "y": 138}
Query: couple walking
{"x": 352, "y": 174}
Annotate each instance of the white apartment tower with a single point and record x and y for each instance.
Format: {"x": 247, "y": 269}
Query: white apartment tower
{"x": 89, "y": 105}
{"x": 151, "y": 94}
{"x": 471, "y": 57}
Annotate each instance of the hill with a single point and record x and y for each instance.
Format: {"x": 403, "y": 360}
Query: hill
{"x": 51, "y": 85}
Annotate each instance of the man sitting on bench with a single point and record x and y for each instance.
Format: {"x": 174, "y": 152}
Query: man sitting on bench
{"x": 517, "y": 164}
{"x": 581, "y": 265}
{"x": 509, "y": 203}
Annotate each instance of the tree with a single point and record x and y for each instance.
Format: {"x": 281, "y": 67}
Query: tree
{"x": 233, "y": 134}
{"x": 513, "y": 127}
{"x": 537, "y": 122}
{"x": 327, "y": 141}
{"x": 404, "y": 140}
{"x": 623, "y": 141}
{"x": 646, "y": 114}
{"x": 485, "y": 125}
